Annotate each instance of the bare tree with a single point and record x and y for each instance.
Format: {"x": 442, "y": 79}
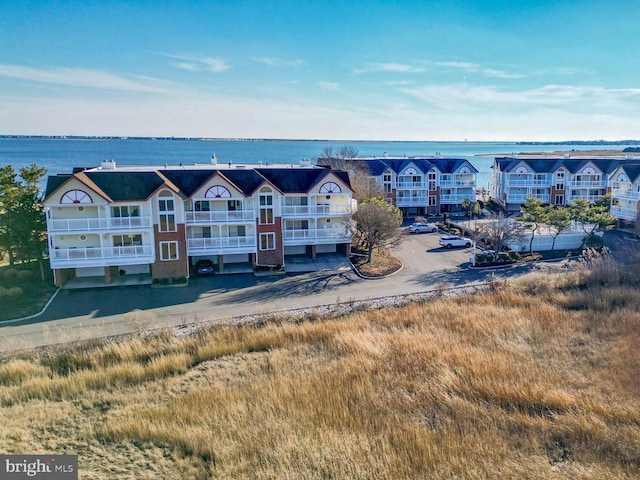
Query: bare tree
{"x": 377, "y": 224}
{"x": 499, "y": 232}
{"x": 347, "y": 151}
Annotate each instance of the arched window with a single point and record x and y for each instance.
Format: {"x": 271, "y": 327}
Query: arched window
{"x": 75, "y": 196}
{"x": 166, "y": 212}
{"x": 266, "y": 205}
{"x": 330, "y": 187}
{"x": 218, "y": 191}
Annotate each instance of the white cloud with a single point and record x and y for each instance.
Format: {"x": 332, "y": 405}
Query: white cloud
{"x": 329, "y": 85}
{"x": 389, "y": 67}
{"x": 79, "y": 77}
{"x": 196, "y": 64}
{"x": 276, "y": 62}
{"x": 471, "y": 67}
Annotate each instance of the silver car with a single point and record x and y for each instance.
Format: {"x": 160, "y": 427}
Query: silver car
{"x": 422, "y": 228}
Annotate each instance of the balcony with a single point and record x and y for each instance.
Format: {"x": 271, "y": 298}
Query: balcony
{"x": 101, "y": 256}
{"x": 221, "y": 245}
{"x": 457, "y": 198}
{"x": 222, "y": 216}
{"x": 625, "y": 213}
{"x": 419, "y": 201}
{"x": 457, "y": 183}
{"x": 591, "y": 198}
{"x": 625, "y": 193}
{"x": 315, "y": 236}
{"x": 529, "y": 182}
{"x": 520, "y": 198}
{"x": 587, "y": 183}
{"x": 412, "y": 185}
{"x": 315, "y": 210}
{"x": 89, "y": 224}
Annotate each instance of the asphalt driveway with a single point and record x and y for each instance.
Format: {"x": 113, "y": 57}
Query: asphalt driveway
{"x": 78, "y": 314}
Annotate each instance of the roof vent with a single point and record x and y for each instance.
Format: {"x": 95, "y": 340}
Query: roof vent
{"x": 566, "y": 155}
{"x": 214, "y": 159}
{"x": 108, "y": 165}
{"x": 305, "y": 162}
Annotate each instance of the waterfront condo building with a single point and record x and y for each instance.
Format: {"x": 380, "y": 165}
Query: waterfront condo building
{"x": 417, "y": 185}
{"x": 159, "y": 221}
{"x": 625, "y": 193}
{"x": 556, "y": 181}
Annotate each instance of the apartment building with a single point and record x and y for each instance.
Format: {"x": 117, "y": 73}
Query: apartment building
{"x": 419, "y": 185}
{"x": 625, "y": 193}
{"x": 555, "y": 181}
{"x": 160, "y": 221}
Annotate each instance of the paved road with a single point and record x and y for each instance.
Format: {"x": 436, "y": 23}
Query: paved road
{"x": 77, "y": 314}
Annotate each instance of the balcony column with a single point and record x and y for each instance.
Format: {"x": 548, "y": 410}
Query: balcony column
{"x": 221, "y": 263}
{"x": 107, "y": 275}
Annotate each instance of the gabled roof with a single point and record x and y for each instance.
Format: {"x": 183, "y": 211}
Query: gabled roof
{"x": 632, "y": 169}
{"x": 139, "y": 185}
{"x": 549, "y": 165}
{"x": 377, "y": 166}
{"x": 123, "y": 186}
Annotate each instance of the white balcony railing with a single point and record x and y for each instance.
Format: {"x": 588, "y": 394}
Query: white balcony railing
{"x": 412, "y": 185}
{"x": 412, "y": 201}
{"x": 529, "y": 182}
{"x": 523, "y": 198}
{"x": 457, "y": 198}
{"x": 88, "y": 224}
{"x": 310, "y": 210}
{"x": 587, "y": 183}
{"x": 625, "y": 213}
{"x": 625, "y": 193}
{"x": 457, "y": 183}
{"x": 232, "y": 244}
{"x": 591, "y": 198}
{"x": 314, "y": 234}
{"x": 104, "y": 253}
{"x": 221, "y": 216}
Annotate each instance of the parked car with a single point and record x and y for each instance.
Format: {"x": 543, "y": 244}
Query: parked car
{"x": 204, "y": 267}
{"x": 422, "y": 228}
{"x": 450, "y": 241}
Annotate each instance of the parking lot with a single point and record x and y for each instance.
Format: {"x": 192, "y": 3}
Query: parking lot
{"x": 421, "y": 254}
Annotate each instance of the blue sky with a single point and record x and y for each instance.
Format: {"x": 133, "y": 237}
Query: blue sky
{"x": 360, "y": 70}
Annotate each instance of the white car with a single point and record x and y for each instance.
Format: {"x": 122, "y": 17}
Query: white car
{"x": 422, "y": 228}
{"x": 450, "y": 241}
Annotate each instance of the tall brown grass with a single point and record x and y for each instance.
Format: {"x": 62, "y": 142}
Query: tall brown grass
{"x": 537, "y": 380}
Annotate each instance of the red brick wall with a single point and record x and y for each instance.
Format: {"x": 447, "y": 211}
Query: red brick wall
{"x": 175, "y": 268}
{"x": 271, "y": 257}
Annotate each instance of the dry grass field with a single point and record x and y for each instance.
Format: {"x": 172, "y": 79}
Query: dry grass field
{"x": 536, "y": 380}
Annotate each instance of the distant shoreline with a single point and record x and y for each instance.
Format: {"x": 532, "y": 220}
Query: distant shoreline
{"x": 562, "y": 153}
{"x": 232, "y": 139}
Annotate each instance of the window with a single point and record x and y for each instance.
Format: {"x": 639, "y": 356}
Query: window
{"x": 267, "y": 241}
{"x": 386, "y": 182}
{"x": 432, "y": 201}
{"x": 559, "y": 181}
{"x": 237, "y": 231}
{"x": 559, "y": 200}
{"x": 168, "y": 251}
{"x": 125, "y": 211}
{"x": 293, "y": 201}
{"x": 266, "y": 208}
{"x": 234, "y": 205}
{"x": 166, "y": 213}
{"x": 126, "y": 240}
{"x": 432, "y": 180}
{"x": 201, "y": 206}
{"x": 206, "y": 232}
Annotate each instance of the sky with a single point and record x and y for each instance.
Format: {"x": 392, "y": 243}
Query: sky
{"x": 512, "y": 70}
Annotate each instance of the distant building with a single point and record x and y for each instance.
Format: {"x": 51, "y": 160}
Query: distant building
{"x": 159, "y": 221}
{"x": 419, "y": 185}
{"x": 556, "y": 181}
{"x": 625, "y": 193}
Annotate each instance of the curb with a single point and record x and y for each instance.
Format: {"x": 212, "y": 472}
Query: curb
{"x": 35, "y": 314}
{"x": 364, "y": 277}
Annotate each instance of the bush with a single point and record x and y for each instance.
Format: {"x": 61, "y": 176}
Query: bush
{"x": 10, "y": 274}
{"x": 15, "y": 292}
{"x": 593, "y": 241}
{"x": 25, "y": 275}
{"x": 3, "y": 292}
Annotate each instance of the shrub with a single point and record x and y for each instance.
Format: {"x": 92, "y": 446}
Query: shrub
{"x": 593, "y": 241}
{"x": 3, "y": 292}
{"x": 10, "y": 274}
{"x": 25, "y": 274}
{"x": 15, "y": 292}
